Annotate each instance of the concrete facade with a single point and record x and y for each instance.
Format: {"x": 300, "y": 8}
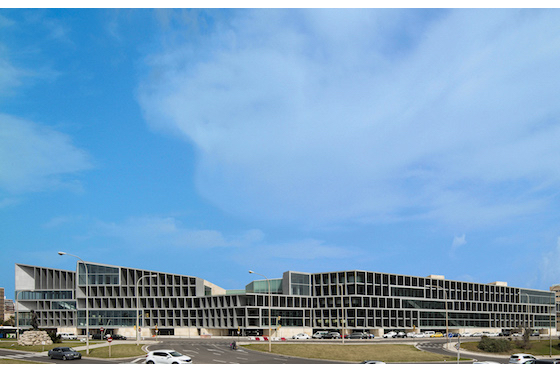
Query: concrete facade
{"x": 181, "y": 305}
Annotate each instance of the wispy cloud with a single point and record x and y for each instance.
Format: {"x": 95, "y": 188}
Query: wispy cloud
{"x": 458, "y": 241}
{"x": 451, "y": 114}
{"x": 35, "y": 157}
{"x": 169, "y": 233}
{"x": 550, "y": 264}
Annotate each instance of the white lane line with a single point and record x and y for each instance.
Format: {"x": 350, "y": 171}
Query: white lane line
{"x": 190, "y": 351}
{"x": 219, "y": 361}
{"x": 242, "y": 358}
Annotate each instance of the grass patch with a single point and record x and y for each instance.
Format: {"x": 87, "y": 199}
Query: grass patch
{"x": 12, "y": 345}
{"x": 541, "y": 348}
{"x": 17, "y": 361}
{"x": 389, "y": 353}
{"x": 117, "y": 351}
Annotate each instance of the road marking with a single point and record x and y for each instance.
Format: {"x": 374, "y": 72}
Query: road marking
{"x": 191, "y": 351}
{"x": 219, "y": 361}
{"x": 136, "y": 360}
{"x": 242, "y": 358}
{"x": 217, "y": 353}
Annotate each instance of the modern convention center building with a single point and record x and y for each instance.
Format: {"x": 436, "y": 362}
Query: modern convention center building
{"x": 345, "y": 301}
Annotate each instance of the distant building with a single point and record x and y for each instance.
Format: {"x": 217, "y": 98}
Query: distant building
{"x": 355, "y": 300}
{"x": 556, "y": 290}
{"x": 9, "y": 309}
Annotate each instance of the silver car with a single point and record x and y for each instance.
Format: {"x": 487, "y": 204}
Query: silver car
{"x": 520, "y": 358}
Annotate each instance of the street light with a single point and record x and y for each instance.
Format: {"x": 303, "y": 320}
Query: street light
{"x": 342, "y": 309}
{"x": 269, "y": 311}
{"x": 87, "y": 295}
{"x": 137, "y": 304}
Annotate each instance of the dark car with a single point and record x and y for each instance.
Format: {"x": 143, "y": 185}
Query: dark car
{"x": 118, "y": 336}
{"x": 332, "y": 335}
{"x": 543, "y": 361}
{"x": 64, "y": 353}
{"x": 357, "y": 335}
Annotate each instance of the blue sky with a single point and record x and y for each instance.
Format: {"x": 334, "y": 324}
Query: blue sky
{"x": 211, "y": 142}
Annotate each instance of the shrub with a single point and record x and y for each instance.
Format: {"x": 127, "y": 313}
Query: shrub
{"x": 494, "y": 345}
{"x": 54, "y": 336}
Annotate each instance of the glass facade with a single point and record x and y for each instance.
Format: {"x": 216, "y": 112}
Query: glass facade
{"x": 98, "y": 275}
{"x": 108, "y": 318}
{"x": 261, "y": 286}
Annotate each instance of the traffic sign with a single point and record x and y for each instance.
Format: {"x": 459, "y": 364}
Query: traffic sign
{"x": 109, "y": 339}
{"x": 102, "y": 330}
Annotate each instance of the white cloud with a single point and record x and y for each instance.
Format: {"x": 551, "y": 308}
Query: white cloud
{"x": 35, "y": 157}
{"x": 450, "y": 119}
{"x": 458, "y": 241}
{"x": 550, "y": 265}
{"x": 169, "y": 233}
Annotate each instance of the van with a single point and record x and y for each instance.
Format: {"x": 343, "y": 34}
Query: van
{"x": 320, "y": 334}
{"x": 67, "y": 336}
{"x": 429, "y": 333}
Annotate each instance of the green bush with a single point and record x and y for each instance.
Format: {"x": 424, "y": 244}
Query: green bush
{"x": 54, "y": 336}
{"x": 494, "y": 345}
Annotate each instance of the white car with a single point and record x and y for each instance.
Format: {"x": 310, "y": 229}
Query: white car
{"x": 466, "y": 334}
{"x": 521, "y": 358}
{"x": 167, "y": 357}
{"x": 301, "y": 336}
{"x": 390, "y": 335}
{"x": 419, "y": 335}
{"x": 68, "y": 336}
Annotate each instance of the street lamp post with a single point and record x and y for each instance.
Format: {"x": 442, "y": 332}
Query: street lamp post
{"x": 87, "y": 295}
{"x": 137, "y": 304}
{"x": 342, "y": 309}
{"x": 269, "y": 311}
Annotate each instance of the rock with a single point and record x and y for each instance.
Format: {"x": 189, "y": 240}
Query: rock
{"x": 34, "y": 338}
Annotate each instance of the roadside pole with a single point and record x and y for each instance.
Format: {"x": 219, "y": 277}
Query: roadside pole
{"x": 109, "y": 339}
{"x": 458, "y": 348}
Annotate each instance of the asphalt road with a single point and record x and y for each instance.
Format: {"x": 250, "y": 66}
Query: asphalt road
{"x": 217, "y": 351}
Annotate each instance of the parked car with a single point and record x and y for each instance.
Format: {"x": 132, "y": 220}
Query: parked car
{"x": 117, "y": 337}
{"x": 437, "y": 335}
{"x": 167, "y": 357}
{"x": 401, "y": 335}
{"x": 429, "y": 333}
{"x": 64, "y": 353}
{"x": 516, "y": 334}
{"x": 301, "y": 336}
{"x": 535, "y": 334}
{"x": 320, "y": 334}
{"x": 390, "y": 335}
{"x": 520, "y": 358}
{"x": 465, "y": 334}
{"x": 477, "y": 334}
{"x": 419, "y": 335}
{"x": 505, "y": 333}
{"x": 68, "y": 336}
{"x": 357, "y": 335}
{"x": 332, "y": 335}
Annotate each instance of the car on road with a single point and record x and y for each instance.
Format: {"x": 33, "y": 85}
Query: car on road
{"x": 332, "y": 335}
{"x": 64, "y": 353}
{"x": 167, "y": 357}
{"x": 390, "y": 335}
{"x": 301, "y": 336}
{"x": 543, "y": 361}
{"x": 372, "y": 362}
{"x": 521, "y": 358}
